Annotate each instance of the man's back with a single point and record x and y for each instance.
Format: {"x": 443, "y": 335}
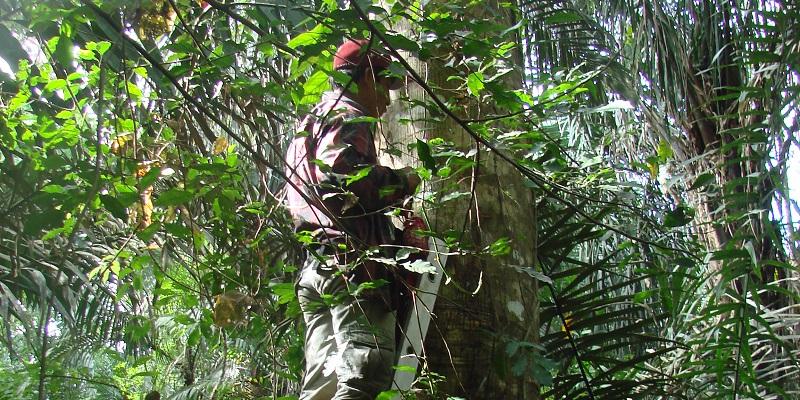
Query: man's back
{"x": 338, "y": 187}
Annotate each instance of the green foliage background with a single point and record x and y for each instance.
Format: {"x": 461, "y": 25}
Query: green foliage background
{"x": 143, "y": 245}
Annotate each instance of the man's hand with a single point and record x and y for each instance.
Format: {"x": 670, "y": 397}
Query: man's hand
{"x": 411, "y": 177}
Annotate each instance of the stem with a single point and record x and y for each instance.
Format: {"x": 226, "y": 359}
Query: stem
{"x": 43, "y": 354}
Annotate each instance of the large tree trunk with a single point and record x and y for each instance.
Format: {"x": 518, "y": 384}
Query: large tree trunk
{"x": 487, "y": 302}
{"x": 728, "y": 137}
{"x": 722, "y": 128}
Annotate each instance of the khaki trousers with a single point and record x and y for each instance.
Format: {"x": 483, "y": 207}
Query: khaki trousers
{"x": 349, "y": 341}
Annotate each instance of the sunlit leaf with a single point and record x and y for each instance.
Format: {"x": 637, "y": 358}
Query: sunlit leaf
{"x": 475, "y": 83}
{"x": 310, "y": 37}
{"x": 173, "y": 197}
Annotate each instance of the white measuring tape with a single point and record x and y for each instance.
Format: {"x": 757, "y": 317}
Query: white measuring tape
{"x": 416, "y": 325}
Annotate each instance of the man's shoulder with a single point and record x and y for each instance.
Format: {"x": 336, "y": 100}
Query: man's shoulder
{"x": 335, "y": 105}
{"x": 336, "y": 113}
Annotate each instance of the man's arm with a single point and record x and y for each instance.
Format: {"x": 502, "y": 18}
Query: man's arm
{"x": 351, "y": 150}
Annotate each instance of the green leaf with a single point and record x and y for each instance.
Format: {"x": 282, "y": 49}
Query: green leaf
{"x": 519, "y": 367}
{"x": 702, "y": 180}
{"x": 501, "y": 247}
{"x": 126, "y": 194}
{"x": 756, "y": 57}
{"x": 640, "y": 297}
{"x": 533, "y": 273}
{"x": 729, "y": 254}
{"x": 453, "y": 196}
{"x": 64, "y": 114}
{"x": 194, "y": 336}
{"x": 753, "y": 257}
{"x": 86, "y": 55}
{"x": 404, "y": 252}
{"x": 54, "y": 189}
{"x": 370, "y": 285}
{"x": 419, "y": 266}
{"x": 141, "y": 361}
{"x": 178, "y": 230}
{"x": 405, "y": 368}
{"x": 267, "y": 49}
{"x": 149, "y": 177}
{"x": 475, "y": 83}
{"x": 102, "y": 47}
{"x": 147, "y": 234}
{"x": 315, "y": 85}
{"x": 358, "y": 175}
{"x": 512, "y": 347}
{"x": 138, "y": 328}
{"x": 401, "y": 42}
{"x": 63, "y": 51}
{"x": 134, "y": 91}
{"x": 562, "y": 17}
{"x": 36, "y": 222}
{"x": 388, "y": 395}
{"x": 664, "y": 150}
{"x": 541, "y": 371}
{"x": 284, "y": 291}
{"x": 680, "y": 216}
{"x": 173, "y": 197}
{"x": 424, "y": 154}
{"x": 184, "y": 319}
{"x": 55, "y": 84}
{"x": 222, "y": 56}
{"x": 308, "y": 38}
{"x": 114, "y": 206}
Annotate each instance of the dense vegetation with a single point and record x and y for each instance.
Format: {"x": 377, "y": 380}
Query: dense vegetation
{"x": 144, "y": 247}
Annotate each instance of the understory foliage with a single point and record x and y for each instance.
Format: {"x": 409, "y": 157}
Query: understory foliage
{"x": 144, "y": 246}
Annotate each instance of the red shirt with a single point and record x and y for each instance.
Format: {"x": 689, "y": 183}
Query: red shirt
{"x": 333, "y": 162}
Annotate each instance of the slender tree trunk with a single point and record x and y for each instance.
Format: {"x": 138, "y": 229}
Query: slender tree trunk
{"x": 720, "y": 132}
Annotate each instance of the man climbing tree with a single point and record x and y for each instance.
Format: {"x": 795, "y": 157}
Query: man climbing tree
{"x": 339, "y": 195}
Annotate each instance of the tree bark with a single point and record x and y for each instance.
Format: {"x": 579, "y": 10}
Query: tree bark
{"x": 486, "y": 302}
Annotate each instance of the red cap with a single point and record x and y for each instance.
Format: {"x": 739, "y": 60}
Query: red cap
{"x": 354, "y": 53}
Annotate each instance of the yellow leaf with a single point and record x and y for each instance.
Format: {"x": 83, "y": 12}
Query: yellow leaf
{"x": 147, "y": 208}
{"x": 143, "y": 169}
{"x": 230, "y": 308}
{"x": 567, "y": 324}
{"x": 118, "y": 145}
{"x": 220, "y": 145}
